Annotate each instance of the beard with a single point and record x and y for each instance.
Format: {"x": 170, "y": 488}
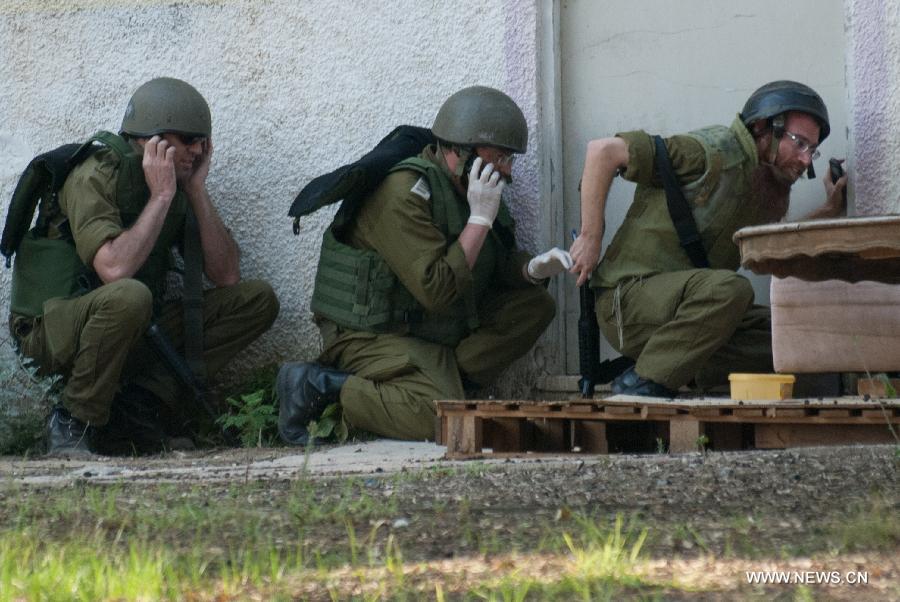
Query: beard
{"x": 771, "y": 193}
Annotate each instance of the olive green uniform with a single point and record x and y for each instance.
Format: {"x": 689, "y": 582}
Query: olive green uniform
{"x": 95, "y": 340}
{"x": 679, "y": 322}
{"x": 396, "y": 376}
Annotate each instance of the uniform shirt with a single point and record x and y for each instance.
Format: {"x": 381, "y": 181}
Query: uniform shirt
{"x": 396, "y": 222}
{"x": 714, "y": 166}
{"x": 90, "y": 201}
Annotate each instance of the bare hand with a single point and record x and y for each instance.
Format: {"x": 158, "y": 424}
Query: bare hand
{"x": 159, "y": 168}
{"x": 201, "y": 170}
{"x": 835, "y": 196}
{"x": 585, "y": 252}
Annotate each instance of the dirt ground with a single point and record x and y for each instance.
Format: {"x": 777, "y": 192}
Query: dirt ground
{"x": 713, "y": 516}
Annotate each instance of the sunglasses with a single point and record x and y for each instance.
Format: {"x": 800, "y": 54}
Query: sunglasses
{"x": 189, "y": 140}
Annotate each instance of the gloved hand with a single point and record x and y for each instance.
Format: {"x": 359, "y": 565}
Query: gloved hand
{"x": 549, "y": 264}
{"x": 485, "y": 188}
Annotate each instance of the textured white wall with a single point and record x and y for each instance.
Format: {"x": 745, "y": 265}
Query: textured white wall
{"x": 296, "y": 89}
{"x": 874, "y": 32}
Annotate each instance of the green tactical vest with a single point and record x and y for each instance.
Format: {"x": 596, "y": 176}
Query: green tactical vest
{"x": 356, "y": 289}
{"x": 47, "y": 264}
{"x": 647, "y": 244}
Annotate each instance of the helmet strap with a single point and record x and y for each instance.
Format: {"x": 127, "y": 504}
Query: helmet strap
{"x": 466, "y": 158}
{"x": 777, "y": 135}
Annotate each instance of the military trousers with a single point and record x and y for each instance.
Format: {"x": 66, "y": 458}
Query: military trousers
{"x": 96, "y": 341}
{"x": 395, "y": 379}
{"x": 691, "y": 325}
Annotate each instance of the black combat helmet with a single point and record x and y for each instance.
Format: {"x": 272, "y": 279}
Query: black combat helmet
{"x": 779, "y": 97}
{"x": 482, "y": 116}
{"x": 166, "y": 104}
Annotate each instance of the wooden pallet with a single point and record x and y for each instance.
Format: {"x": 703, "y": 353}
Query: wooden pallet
{"x": 475, "y": 428}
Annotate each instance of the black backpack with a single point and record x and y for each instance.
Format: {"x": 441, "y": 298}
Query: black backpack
{"x": 39, "y": 186}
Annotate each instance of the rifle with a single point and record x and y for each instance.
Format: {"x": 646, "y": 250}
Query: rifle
{"x": 593, "y": 371}
{"x": 163, "y": 347}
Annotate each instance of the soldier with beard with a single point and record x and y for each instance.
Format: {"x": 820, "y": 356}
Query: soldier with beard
{"x": 683, "y": 323}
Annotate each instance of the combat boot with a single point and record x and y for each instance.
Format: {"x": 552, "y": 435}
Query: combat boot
{"x": 68, "y": 437}
{"x": 632, "y": 383}
{"x": 135, "y": 424}
{"x": 304, "y": 390}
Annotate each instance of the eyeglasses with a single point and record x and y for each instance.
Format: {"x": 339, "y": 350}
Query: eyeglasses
{"x": 803, "y": 146}
{"x": 504, "y": 160}
{"x": 497, "y": 156}
{"x": 501, "y": 158}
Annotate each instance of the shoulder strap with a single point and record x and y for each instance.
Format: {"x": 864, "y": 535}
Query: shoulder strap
{"x": 192, "y": 301}
{"x": 679, "y": 209}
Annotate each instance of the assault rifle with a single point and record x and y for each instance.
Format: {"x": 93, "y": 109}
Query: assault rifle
{"x": 593, "y": 371}
{"x": 163, "y": 347}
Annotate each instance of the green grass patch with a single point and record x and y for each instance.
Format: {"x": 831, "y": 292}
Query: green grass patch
{"x": 373, "y": 538}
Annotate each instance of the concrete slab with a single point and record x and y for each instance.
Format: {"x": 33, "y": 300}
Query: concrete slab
{"x": 369, "y": 457}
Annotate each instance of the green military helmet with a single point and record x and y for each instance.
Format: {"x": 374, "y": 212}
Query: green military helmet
{"x": 166, "y": 104}
{"x": 479, "y": 115}
{"x": 779, "y": 97}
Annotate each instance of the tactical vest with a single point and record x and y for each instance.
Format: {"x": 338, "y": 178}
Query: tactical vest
{"x": 356, "y": 289}
{"x": 647, "y": 244}
{"x": 46, "y": 263}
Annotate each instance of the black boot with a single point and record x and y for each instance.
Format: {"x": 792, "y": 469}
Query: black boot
{"x": 67, "y": 436}
{"x": 304, "y": 390}
{"x": 135, "y": 424}
{"x": 631, "y": 383}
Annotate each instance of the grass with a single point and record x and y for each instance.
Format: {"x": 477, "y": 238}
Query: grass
{"x": 339, "y": 538}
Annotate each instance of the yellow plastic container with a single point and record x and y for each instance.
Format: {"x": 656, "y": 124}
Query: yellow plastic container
{"x": 761, "y": 386}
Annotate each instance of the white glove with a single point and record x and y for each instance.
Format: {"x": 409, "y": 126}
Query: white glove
{"x": 549, "y": 264}
{"x": 484, "y": 193}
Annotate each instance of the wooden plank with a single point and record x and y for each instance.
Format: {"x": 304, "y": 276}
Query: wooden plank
{"x": 497, "y": 407}
{"x": 787, "y": 413}
{"x": 749, "y": 412}
{"x": 658, "y": 411}
{"x": 582, "y": 408}
{"x": 780, "y": 436}
{"x": 590, "y": 436}
{"x": 683, "y": 435}
{"x": 628, "y": 410}
{"x": 876, "y": 413}
{"x": 834, "y": 413}
{"x": 440, "y": 430}
{"x": 464, "y": 435}
{"x": 706, "y": 411}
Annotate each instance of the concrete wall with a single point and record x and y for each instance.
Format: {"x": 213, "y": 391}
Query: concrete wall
{"x": 874, "y": 87}
{"x": 296, "y": 89}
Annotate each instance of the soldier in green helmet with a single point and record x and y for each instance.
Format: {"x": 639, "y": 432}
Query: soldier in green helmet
{"x": 425, "y": 294}
{"x": 124, "y": 208}
{"x": 682, "y": 318}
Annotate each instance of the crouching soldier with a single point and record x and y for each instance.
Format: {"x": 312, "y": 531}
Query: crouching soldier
{"x": 423, "y": 295}
{"x": 122, "y": 209}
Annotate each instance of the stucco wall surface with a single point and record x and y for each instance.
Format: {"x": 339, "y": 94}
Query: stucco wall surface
{"x": 874, "y": 82}
{"x": 296, "y": 89}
